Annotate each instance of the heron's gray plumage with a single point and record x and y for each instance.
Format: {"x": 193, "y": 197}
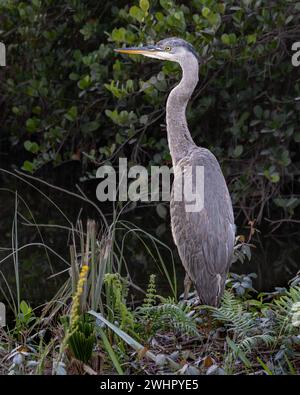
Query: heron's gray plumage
{"x": 204, "y": 238}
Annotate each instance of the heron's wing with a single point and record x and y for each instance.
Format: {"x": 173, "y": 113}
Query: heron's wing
{"x": 205, "y": 238}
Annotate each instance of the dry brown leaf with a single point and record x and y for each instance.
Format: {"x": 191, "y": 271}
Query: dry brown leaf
{"x": 242, "y": 239}
{"x": 142, "y": 352}
{"x": 207, "y": 362}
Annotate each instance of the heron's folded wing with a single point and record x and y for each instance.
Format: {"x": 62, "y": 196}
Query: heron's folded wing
{"x": 205, "y": 238}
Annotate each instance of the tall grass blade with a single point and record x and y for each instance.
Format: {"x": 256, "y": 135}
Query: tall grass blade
{"x": 111, "y": 352}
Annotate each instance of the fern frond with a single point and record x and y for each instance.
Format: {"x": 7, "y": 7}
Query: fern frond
{"x": 248, "y": 329}
{"x": 251, "y": 342}
{"x": 233, "y": 315}
{"x": 171, "y": 316}
{"x": 283, "y": 308}
{"x": 151, "y": 294}
{"x": 296, "y": 314}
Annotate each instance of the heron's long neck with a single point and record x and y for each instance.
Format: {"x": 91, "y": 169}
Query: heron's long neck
{"x": 179, "y": 137}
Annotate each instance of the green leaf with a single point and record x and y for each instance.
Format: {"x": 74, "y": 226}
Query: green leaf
{"x": 119, "y": 35}
{"x": 221, "y": 7}
{"x": 251, "y": 38}
{"x": 74, "y": 76}
{"x": 144, "y": 5}
{"x": 290, "y": 203}
{"x": 32, "y": 124}
{"x": 258, "y": 111}
{"x": 85, "y": 82}
{"x": 265, "y": 367}
{"x": 31, "y": 146}
{"x": 71, "y": 115}
{"x": 225, "y": 39}
{"x": 25, "y": 308}
{"x": 166, "y": 4}
{"x": 205, "y": 12}
{"x": 232, "y": 38}
{"x": 28, "y": 166}
{"x": 214, "y": 19}
{"x": 229, "y": 39}
{"x": 238, "y": 151}
{"x": 285, "y": 159}
{"x": 111, "y": 352}
{"x": 90, "y": 126}
{"x": 136, "y": 13}
{"x": 275, "y": 177}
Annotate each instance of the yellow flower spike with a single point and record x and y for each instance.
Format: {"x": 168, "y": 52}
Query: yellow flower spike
{"x": 75, "y": 313}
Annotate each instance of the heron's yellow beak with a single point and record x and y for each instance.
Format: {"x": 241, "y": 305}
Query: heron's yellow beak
{"x": 147, "y": 50}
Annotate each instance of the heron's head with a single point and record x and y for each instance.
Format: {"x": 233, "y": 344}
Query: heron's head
{"x": 173, "y": 49}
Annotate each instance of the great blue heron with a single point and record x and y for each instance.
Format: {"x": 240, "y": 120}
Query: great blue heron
{"x": 205, "y": 239}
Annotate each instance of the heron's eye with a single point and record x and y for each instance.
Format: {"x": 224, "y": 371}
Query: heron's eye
{"x": 167, "y": 48}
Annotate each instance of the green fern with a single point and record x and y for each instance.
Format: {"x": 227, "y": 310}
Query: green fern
{"x": 284, "y": 309}
{"x": 151, "y": 294}
{"x": 252, "y": 342}
{"x": 117, "y": 290}
{"x": 170, "y": 316}
{"x": 245, "y": 325}
{"x": 234, "y": 316}
{"x": 296, "y": 314}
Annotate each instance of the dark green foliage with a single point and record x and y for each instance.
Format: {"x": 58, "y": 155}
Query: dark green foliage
{"x": 68, "y": 96}
{"x": 82, "y": 340}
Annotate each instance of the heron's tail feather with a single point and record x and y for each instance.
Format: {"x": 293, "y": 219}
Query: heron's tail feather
{"x": 210, "y": 288}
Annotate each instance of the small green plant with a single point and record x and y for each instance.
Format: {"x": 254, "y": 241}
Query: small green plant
{"x": 82, "y": 340}
{"x": 80, "y": 334}
{"x": 26, "y": 315}
{"x": 116, "y": 294}
{"x": 151, "y": 294}
{"x": 25, "y": 320}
